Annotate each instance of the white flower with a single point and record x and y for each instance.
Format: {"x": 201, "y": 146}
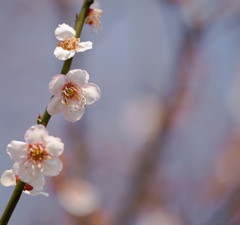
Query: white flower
{"x": 93, "y": 17}
{"x": 69, "y": 45}
{"x": 71, "y": 93}
{"x": 82, "y": 200}
{"x": 10, "y": 178}
{"x": 38, "y": 156}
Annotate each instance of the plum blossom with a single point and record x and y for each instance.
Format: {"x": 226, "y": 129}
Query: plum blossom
{"x": 93, "y": 17}
{"x": 82, "y": 200}
{"x": 38, "y": 156}
{"x": 71, "y": 94}
{"x": 69, "y": 44}
{"x": 10, "y": 178}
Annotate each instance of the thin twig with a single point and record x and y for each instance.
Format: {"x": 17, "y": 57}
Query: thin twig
{"x": 45, "y": 117}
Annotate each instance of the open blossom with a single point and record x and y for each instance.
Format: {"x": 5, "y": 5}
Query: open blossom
{"x": 38, "y": 156}
{"x": 93, "y": 17}
{"x": 82, "y": 200}
{"x": 69, "y": 44}
{"x": 71, "y": 93}
{"x": 10, "y": 178}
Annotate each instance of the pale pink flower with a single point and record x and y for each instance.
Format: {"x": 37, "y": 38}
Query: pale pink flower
{"x": 78, "y": 197}
{"x": 38, "y": 156}
{"x": 69, "y": 44}
{"x": 71, "y": 93}
{"x": 93, "y": 17}
{"x": 10, "y": 178}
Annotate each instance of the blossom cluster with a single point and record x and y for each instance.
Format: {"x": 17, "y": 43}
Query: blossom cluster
{"x": 38, "y": 156}
{"x": 71, "y": 92}
{"x": 34, "y": 159}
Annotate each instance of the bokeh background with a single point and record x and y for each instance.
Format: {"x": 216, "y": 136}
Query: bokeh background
{"x": 162, "y": 145}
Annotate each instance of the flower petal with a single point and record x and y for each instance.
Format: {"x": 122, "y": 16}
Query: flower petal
{"x": 91, "y": 92}
{"x": 38, "y": 184}
{"x": 15, "y": 168}
{"x": 95, "y": 5}
{"x": 55, "y": 105}
{"x": 56, "y": 84}
{"x": 8, "y": 178}
{"x": 34, "y": 193}
{"x": 83, "y": 46}
{"x": 52, "y": 167}
{"x": 73, "y": 114}
{"x": 36, "y": 134}
{"x": 80, "y": 77}
{"x": 62, "y": 54}
{"x": 17, "y": 150}
{"x": 54, "y": 145}
{"x": 64, "y": 32}
{"x": 28, "y": 172}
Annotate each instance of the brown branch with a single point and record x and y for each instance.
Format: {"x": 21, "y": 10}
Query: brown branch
{"x": 155, "y": 147}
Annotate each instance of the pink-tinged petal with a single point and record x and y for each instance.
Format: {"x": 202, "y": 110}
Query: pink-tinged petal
{"x": 83, "y": 46}
{"x": 73, "y": 114}
{"x": 95, "y": 5}
{"x": 91, "y": 92}
{"x": 15, "y": 168}
{"x": 38, "y": 184}
{"x": 52, "y": 167}
{"x": 36, "y": 134}
{"x": 55, "y": 105}
{"x": 62, "y": 54}
{"x": 17, "y": 150}
{"x": 54, "y": 145}
{"x": 8, "y": 178}
{"x": 28, "y": 172}
{"x": 56, "y": 84}
{"x": 64, "y": 32}
{"x": 80, "y": 77}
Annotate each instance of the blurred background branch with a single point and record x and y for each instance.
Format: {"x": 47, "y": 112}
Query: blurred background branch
{"x": 161, "y": 146}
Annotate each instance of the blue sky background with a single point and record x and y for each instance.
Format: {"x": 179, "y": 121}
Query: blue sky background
{"x": 135, "y": 62}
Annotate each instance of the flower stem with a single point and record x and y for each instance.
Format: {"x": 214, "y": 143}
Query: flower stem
{"x": 67, "y": 64}
{"x": 44, "y": 119}
{"x": 12, "y": 203}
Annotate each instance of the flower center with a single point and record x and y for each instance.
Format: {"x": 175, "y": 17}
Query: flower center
{"x": 37, "y": 153}
{"x": 94, "y": 18}
{"x": 70, "y": 44}
{"x": 72, "y": 95}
